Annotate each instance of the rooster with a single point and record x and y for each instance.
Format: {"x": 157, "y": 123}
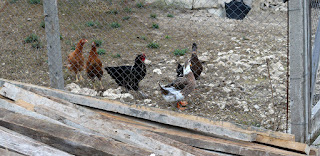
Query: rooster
{"x": 76, "y": 59}
{"x": 129, "y": 76}
{"x": 94, "y": 65}
{"x": 196, "y": 64}
{"x": 180, "y": 88}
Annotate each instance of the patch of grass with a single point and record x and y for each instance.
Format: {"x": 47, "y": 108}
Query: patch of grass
{"x": 167, "y": 37}
{"x": 12, "y": 1}
{"x": 42, "y": 24}
{"x": 98, "y": 42}
{"x": 93, "y": 24}
{"x": 127, "y": 10}
{"x": 155, "y": 26}
{"x": 153, "y": 16}
{"x": 34, "y": 1}
{"x": 126, "y": 18}
{"x": 116, "y": 55}
{"x": 113, "y": 12}
{"x": 170, "y": 15}
{"x": 61, "y": 38}
{"x": 140, "y": 5}
{"x": 143, "y": 37}
{"x": 180, "y": 52}
{"x": 153, "y": 45}
{"x": 115, "y": 25}
{"x": 36, "y": 45}
{"x": 31, "y": 38}
{"x": 101, "y": 51}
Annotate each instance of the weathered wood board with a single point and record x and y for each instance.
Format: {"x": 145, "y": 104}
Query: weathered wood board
{"x": 25, "y": 145}
{"x": 64, "y": 138}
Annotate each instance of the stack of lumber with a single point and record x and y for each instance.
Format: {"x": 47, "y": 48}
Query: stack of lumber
{"x": 41, "y": 121}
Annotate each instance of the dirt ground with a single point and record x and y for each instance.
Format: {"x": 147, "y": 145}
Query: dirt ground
{"x": 235, "y": 85}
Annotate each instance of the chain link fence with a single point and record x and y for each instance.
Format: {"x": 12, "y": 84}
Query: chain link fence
{"x": 128, "y": 42}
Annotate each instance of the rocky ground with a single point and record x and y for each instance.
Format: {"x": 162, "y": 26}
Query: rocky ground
{"x": 237, "y": 84}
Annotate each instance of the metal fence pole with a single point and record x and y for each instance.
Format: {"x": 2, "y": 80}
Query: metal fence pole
{"x": 299, "y": 68}
{"x": 53, "y": 43}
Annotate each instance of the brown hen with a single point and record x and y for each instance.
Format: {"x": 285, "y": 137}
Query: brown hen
{"x": 94, "y": 65}
{"x": 76, "y": 59}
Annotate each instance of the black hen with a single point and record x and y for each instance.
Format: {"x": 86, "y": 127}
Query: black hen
{"x": 196, "y": 66}
{"x": 129, "y": 76}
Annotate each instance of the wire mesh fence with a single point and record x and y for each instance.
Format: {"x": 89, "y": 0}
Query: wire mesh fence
{"x": 138, "y": 44}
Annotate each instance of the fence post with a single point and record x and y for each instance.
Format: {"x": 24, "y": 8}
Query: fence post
{"x": 53, "y": 43}
{"x": 300, "y": 63}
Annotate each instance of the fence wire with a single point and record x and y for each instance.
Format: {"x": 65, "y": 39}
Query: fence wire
{"x": 138, "y": 44}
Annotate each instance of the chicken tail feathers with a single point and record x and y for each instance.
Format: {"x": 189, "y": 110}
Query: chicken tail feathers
{"x": 179, "y": 70}
{"x": 163, "y": 91}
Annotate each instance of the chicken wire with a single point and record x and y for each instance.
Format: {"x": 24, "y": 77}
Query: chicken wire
{"x": 244, "y": 61}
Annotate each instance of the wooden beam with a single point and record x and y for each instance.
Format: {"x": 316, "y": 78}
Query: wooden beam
{"x": 214, "y": 128}
{"x": 7, "y": 152}
{"x": 64, "y": 138}
{"x": 25, "y": 145}
{"x": 216, "y": 144}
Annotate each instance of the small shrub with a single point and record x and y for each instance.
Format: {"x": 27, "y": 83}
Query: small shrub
{"x": 126, "y": 18}
{"x": 143, "y": 37}
{"x": 42, "y": 24}
{"x": 115, "y": 25}
{"x": 98, "y": 42}
{"x": 167, "y": 37}
{"x": 73, "y": 47}
{"x": 92, "y": 24}
{"x": 116, "y": 55}
{"x": 34, "y": 1}
{"x": 140, "y": 5}
{"x": 101, "y": 51}
{"x": 153, "y": 15}
{"x": 127, "y": 10}
{"x": 61, "y": 38}
{"x": 180, "y": 52}
{"x": 36, "y": 45}
{"x": 155, "y": 26}
{"x": 153, "y": 45}
{"x": 114, "y": 12}
{"x": 31, "y": 38}
{"x": 13, "y": 1}
{"x": 170, "y": 15}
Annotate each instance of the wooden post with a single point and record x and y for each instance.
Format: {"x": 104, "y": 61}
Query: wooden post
{"x": 299, "y": 41}
{"x": 53, "y": 43}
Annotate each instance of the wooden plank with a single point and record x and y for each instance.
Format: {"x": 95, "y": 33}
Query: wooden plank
{"x": 215, "y": 128}
{"x": 201, "y": 141}
{"x": 64, "y": 138}
{"x": 51, "y": 20}
{"x": 22, "y": 110}
{"x": 315, "y": 123}
{"x": 7, "y": 152}
{"x": 25, "y": 145}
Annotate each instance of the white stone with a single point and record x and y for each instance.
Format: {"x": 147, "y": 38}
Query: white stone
{"x": 28, "y": 19}
{"x": 227, "y": 90}
{"x": 221, "y": 64}
{"x": 234, "y": 58}
{"x": 210, "y": 66}
{"x": 204, "y": 58}
{"x": 237, "y": 70}
{"x": 148, "y": 62}
{"x": 256, "y": 107}
{"x": 158, "y": 71}
{"x": 147, "y": 100}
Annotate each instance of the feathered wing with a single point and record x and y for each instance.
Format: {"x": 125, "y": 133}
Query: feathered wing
{"x": 179, "y": 70}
